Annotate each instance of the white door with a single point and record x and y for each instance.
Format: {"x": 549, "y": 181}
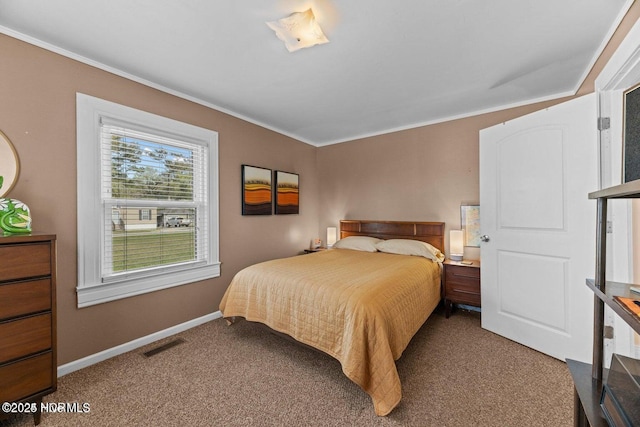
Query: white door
{"x": 535, "y": 174}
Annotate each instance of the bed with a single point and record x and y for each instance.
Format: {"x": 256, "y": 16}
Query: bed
{"x": 361, "y": 302}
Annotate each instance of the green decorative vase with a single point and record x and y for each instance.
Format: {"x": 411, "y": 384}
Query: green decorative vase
{"x": 14, "y": 216}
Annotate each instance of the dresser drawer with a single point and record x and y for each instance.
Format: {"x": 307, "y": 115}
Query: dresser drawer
{"x": 465, "y": 284}
{"x": 459, "y": 273}
{"x": 25, "y": 260}
{"x": 25, "y": 336}
{"x": 24, "y": 378}
{"x": 21, "y": 298}
{"x": 464, "y": 296}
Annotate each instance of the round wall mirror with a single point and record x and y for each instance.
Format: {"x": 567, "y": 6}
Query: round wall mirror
{"x": 9, "y": 165}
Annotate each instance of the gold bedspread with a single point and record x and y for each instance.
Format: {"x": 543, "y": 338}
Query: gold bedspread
{"x": 361, "y": 308}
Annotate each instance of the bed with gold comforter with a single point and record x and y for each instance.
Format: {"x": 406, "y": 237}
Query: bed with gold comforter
{"x": 362, "y": 308}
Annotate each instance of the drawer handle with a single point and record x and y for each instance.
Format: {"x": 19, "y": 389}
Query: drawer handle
{"x": 464, "y": 291}
{"x": 465, "y": 275}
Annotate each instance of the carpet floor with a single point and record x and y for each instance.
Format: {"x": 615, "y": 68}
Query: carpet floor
{"x": 453, "y": 373}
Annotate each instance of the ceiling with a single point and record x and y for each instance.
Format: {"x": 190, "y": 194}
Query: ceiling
{"x": 389, "y": 65}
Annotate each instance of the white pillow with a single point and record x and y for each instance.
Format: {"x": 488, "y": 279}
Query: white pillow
{"x": 358, "y": 243}
{"x": 410, "y": 247}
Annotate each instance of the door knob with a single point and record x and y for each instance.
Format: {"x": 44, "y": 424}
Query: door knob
{"x": 484, "y": 238}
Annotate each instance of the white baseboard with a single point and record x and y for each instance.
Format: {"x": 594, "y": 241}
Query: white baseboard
{"x": 132, "y": 345}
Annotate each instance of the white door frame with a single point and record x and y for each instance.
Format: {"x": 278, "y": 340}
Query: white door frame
{"x": 621, "y": 72}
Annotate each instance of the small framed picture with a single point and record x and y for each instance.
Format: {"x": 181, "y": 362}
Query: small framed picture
{"x": 287, "y": 193}
{"x": 470, "y": 222}
{"x": 256, "y": 190}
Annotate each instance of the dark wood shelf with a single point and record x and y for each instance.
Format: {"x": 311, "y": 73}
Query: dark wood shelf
{"x": 589, "y": 378}
{"x": 628, "y": 190}
{"x": 589, "y": 390}
{"x": 611, "y": 290}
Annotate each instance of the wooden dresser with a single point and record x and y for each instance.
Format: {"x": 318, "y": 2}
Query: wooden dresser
{"x": 28, "y": 368}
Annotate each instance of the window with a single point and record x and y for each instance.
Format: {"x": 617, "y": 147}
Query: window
{"x": 147, "y": 202}
{"x": 145, "y": 214}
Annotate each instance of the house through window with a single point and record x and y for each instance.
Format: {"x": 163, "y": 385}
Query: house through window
{"x": 153, "y": 222}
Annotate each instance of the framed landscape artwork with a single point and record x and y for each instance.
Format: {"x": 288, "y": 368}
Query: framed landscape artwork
{"x": 256, "y": 190}
{"x": 287, "y": 193}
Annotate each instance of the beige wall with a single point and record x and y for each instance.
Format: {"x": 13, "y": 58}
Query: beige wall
{"x": 422, "y": 174}
{"x": 419, "y": 174}
{"x": 37, "y": 113}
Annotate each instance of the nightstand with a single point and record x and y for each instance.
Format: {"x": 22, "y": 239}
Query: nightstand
{"x": 461, "y": 284}
{"x": 310, "y": 251}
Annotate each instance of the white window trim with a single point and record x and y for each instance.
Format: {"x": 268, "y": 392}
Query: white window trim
{"x": 91, "y": 290}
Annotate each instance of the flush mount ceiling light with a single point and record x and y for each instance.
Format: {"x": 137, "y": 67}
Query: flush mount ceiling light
{"x": 298, "y": 30}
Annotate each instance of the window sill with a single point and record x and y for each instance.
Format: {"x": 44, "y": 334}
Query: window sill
{"x": 89, "y": 295}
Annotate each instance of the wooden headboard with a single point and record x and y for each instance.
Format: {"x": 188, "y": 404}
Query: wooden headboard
{"x": 430, "y": 232}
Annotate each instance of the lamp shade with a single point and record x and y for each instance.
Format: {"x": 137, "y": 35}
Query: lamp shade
{"x": 456, "y": 245}
{"x": 298, "y": 30}
{"x": 331, "y": 236}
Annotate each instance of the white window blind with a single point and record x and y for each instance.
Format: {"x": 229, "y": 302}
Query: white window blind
{"x": 163, "y": 177}
{"x": 147, "y": 202}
